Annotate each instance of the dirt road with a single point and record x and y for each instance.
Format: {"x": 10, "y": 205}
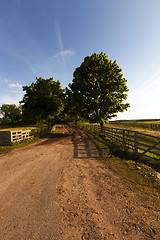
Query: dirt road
{"x": 28, "y": 180}
{"x": 57, "y": 188}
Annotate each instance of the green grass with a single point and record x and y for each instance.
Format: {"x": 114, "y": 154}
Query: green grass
{"x": 18, "y": 128}
{"x": 17, "y": 145}
{"x": 151, "y": 122}
{"x": 11, "y": 127}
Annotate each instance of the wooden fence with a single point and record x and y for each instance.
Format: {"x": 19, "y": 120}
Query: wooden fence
{"x": 9, "y": 137}
{"x": 140, "y": 143}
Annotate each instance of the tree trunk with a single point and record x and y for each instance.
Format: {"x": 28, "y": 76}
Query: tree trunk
{"x": 75, "y": 123}
{"x": 101, "y": 126}
{"x": 49, "y": 124}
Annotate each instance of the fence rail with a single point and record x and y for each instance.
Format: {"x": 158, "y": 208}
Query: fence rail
{"x": 9, "y": 137}
{"x": 140, "y": 143}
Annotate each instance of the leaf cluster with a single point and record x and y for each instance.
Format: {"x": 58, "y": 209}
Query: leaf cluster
{"x": 98, "y": 88}
{"x": 10, "y": 113}
{"x": 43, "y": 100}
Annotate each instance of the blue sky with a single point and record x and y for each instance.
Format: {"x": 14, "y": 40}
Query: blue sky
{"x": 50, "y": 38}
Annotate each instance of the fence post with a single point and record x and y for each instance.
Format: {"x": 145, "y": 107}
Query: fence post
{"x": 104, "y": 131}
{"x": 135, "y": 142}
{"x": 123, "y": 140}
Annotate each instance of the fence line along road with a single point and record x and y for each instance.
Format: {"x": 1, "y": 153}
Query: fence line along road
{"x": 153, "y": 126}
{"x": 140, "y": 143}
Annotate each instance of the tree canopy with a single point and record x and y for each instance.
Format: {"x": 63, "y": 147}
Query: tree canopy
{"x": 10, "y": 113}
{"x": 43, "y": 100}
{"x": 98, "y": 89}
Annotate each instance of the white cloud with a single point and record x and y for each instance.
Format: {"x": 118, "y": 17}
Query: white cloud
{"x": 15, "y": 85}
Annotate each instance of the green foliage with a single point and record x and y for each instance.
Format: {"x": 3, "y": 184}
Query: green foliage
{"x": 10, "y": 113}
{"x": 71, "y": 106}
{"x": 44, "y": 100}
{"x": 98, "y": 89}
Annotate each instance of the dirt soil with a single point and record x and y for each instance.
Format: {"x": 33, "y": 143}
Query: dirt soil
{"x": 57, "y": 188}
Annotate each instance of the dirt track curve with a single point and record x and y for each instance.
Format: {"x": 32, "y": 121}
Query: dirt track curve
{"x": 56, "y": 188}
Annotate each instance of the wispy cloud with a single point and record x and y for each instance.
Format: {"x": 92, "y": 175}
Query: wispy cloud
{"x": 144, "y": 100}
{"x": 64, "y": 53}
{"x": 4, "y": 80}
{"x": 15, "y": 85}
{"x": 59, "y": 38}
{"x": 151, "y": 87}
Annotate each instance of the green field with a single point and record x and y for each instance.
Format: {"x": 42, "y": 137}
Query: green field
{"x": 150, "y": 122}
{"x": 147, "y": 124}
{"x": 22, "y": 127}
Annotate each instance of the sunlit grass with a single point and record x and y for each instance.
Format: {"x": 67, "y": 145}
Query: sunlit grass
{"x": 10, "y": 127}
{"x": 18, "y": 144}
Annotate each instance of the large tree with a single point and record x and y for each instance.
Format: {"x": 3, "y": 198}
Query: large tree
{"x": 99, "y": 89}
{"x": 10, "y": 113}
{"x": 43, "y": 100}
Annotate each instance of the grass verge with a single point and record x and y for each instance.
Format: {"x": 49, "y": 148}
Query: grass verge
{"x": 15, "y": 128}
{"x": 19, "y": 144}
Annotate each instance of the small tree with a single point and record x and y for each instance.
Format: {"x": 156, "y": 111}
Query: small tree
{"x": 99, "y": 89}
{"x": 10, "y": 113}
{"x": 43, "y": 100}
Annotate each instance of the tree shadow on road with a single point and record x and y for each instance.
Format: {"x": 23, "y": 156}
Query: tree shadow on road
{"x": 53, "y": 137}
{"x": 82, "y": 145}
